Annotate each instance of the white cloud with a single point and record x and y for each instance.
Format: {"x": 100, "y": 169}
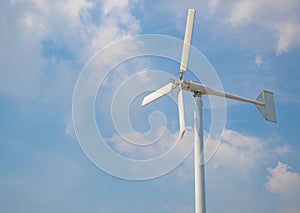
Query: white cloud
{"x": 27, "y": 74}
{"x": 159, "y": 147}
{"x": 110, "y": 5}
{"x": 69, "y": 130}
{"x": 240, "y": 154}
{"x": 73, "y": 9}
{"x": 283, "y": 149}
{"x": 71, "y": 23}
{"x": 117, "y": 22}
{"x": 213, "y": 4}
{"x": 237, "y": 157}
{"x": 279, "y": 17}
{"x": 288, "y": 33}
{"x": 258, "y": 60}
{"x": 283, "y": 181}
{"x": 20, "y": 61}
{"x": 287, "y": 184}
{"x": 243, "y": 11}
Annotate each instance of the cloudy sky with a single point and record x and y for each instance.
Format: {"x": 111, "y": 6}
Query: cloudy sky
{"x": 47, "y": 45}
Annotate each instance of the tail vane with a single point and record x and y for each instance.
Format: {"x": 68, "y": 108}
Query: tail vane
{"x": 268, "y": 110}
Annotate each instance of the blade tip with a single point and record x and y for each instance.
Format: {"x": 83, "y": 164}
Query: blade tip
{"x": 143, "y": 103}
{"x": 182, "y": 133}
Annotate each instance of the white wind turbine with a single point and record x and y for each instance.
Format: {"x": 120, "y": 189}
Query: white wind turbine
{"x": 264, "y": 102}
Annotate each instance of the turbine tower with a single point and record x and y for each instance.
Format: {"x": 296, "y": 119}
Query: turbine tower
{"x": 264, "y": 102}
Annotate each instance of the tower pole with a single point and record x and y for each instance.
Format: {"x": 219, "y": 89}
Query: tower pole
{"x": 200, "y": 206}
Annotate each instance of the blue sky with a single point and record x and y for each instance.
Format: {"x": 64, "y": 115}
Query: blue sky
{"x": 46, "y": 44}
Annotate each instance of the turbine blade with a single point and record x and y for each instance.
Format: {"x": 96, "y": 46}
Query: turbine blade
{"x": 187, "y": 39}
{"x": 157, "y": 94}
{"x": 181, "y": 113}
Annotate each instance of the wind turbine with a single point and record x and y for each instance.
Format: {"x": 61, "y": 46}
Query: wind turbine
{"x": 264, "y": 102}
